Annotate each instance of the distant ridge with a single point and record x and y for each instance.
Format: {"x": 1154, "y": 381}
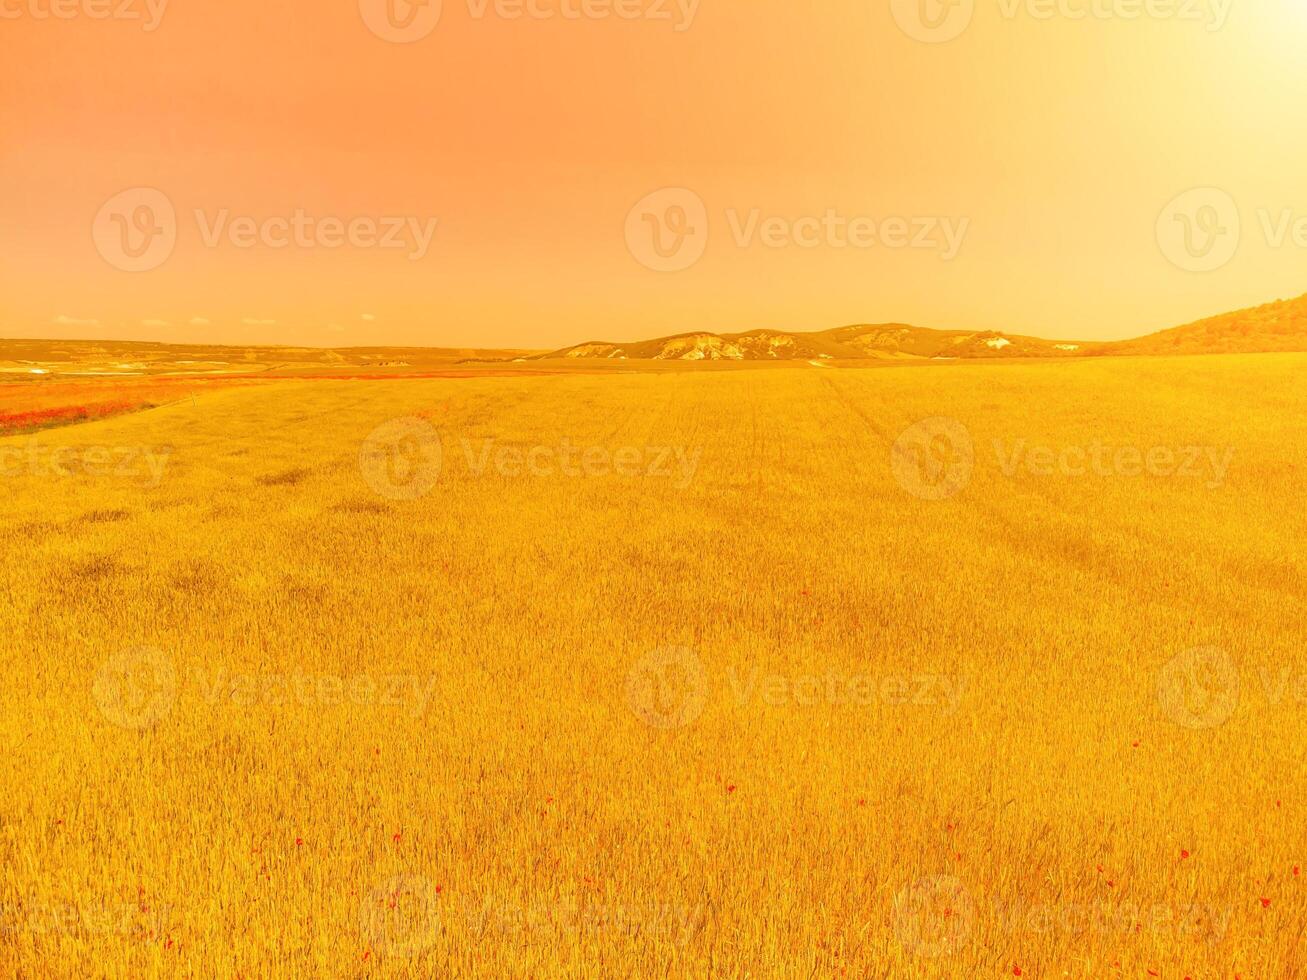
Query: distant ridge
{"x": 1278, "y": 327}
{"x": 881, "y": 341}
{"x": 1274, "y": 327}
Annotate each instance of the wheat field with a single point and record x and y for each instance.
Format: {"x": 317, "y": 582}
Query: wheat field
{"x": 977, "y": 671}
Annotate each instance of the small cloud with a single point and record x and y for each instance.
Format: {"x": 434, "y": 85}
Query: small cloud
{"x": 251, "y": 322}
{"x": 335, "y": 328}
{"x": 368, "y": 317}
{"x": 155, "y": 323}
{"x": 69, "y": 321}
{"x": 199, "y": 321}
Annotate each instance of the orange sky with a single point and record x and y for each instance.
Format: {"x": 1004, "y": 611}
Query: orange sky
{"x": 1054, "y": 142}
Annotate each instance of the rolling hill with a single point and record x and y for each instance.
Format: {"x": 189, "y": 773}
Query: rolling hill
{"x": 884, "y": 341}
{"x": 1278, "y": 327}
{"x": 1275, "y": 327}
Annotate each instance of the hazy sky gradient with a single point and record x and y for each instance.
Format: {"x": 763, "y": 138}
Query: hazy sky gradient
{"x": 1059, "y": 140}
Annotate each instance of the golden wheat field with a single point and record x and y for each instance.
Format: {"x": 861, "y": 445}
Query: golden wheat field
{"x": 977, "y": 671}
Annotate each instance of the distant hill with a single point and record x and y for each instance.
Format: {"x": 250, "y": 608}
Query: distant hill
{"x": 1279, "y": 327}
{"x": 1275, "y": 327}
{"x": 120, "y": 358}
{"x": 882, "y": 341}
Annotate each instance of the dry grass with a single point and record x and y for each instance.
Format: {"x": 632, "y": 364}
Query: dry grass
{"x": 926, "y": 737}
